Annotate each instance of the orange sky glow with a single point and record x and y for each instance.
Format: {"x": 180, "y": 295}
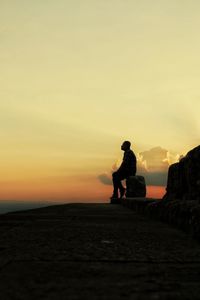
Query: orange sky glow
{"x": 80, "y": 77}
{"x": 83, "y": 192}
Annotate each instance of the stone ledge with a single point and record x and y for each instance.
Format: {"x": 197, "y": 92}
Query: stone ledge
{"x": 138, "y": 203}
{"x": 179, "y": 213}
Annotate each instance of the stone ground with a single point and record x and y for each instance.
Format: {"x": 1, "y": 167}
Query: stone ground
{"x": 95, "y": 251}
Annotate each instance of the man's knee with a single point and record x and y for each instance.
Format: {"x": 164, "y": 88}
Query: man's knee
{"x": 118, "y": 176}
{"x": 115, "y": 175}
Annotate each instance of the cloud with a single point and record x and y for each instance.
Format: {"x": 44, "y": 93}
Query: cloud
{"x": 153, "y": 160}
{"x": 105, "y": 179}
{"x": 156, "y": 178}
{"x": 153, "y": 164}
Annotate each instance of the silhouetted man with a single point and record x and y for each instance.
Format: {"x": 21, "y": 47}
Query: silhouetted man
{"x": 127, "y": 168}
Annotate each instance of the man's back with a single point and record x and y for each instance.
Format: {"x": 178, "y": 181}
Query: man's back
{"x": 129, "y": 162}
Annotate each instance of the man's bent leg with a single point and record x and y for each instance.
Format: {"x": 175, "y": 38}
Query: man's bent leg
{"x": 117, "y": 185}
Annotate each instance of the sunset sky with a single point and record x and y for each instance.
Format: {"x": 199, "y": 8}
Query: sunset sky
{"x": 78, "y": 77}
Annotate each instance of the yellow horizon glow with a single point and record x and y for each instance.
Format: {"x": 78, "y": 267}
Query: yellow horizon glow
{"x": 79, "y": 77}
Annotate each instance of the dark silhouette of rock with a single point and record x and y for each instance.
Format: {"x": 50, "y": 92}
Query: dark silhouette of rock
{"x": 135, "y": 186}
{"x": 184, "y": 178}
{"x": 180, "y": 206}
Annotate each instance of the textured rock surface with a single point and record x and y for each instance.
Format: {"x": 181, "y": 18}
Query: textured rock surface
{"x": 95, "y": 251}
{"x": 135, "y": 186}
{"x": 180, "y": 206}
{"x": 183, "y": 214}
{"x": 184, "y": 178}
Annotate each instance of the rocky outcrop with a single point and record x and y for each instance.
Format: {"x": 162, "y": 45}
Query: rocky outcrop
{"x": 180, "y": 206}
{"x": 183, "y": 214}
{"x": 135, "y": 186}
{"x": 184, "y": 178}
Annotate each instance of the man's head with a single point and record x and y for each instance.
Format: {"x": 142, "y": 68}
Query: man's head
{"x": 126, "y": 145}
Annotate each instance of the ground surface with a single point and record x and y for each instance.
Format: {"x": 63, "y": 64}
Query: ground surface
{"x": 95, "y": 251}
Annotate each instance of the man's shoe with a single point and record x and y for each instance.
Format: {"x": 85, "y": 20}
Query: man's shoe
{"x": 114, "y": 197}
{"x": 115, "y": 200}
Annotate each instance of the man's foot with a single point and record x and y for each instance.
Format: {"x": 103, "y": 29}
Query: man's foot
{"x": 115, "y": 200}
{"x": 122, "y": 192}
{"x": 114, "y": 197}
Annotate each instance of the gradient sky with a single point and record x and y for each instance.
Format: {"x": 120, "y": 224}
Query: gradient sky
{"x": 78, "y": 77}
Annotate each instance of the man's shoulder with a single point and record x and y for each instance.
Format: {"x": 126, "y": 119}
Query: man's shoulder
{"x": 130, "y": 152}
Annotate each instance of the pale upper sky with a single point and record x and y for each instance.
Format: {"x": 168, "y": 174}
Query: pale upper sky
{"x": 77, "y": 77}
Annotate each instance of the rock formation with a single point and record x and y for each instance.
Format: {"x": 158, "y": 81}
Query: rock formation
{"x": 184, "y": 178}
{"x": 135, "y": 186}
{"x": 180, "y": 206}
